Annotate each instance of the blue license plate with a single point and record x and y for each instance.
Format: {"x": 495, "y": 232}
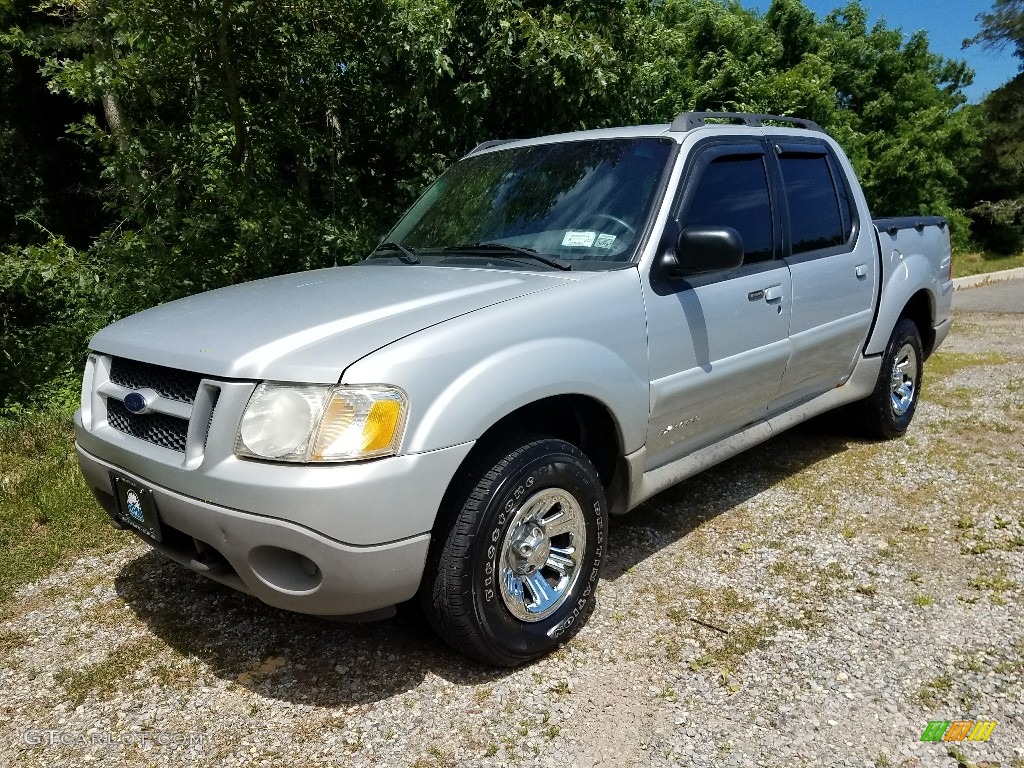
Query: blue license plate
{"x": 136, "y": 509}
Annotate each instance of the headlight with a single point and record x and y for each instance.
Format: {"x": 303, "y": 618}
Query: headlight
{"x": 289, "y": 422}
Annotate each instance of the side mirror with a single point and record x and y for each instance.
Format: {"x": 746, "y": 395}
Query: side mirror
{"x": 704, "y": 249}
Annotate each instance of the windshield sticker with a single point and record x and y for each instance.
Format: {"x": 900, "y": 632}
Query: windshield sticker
{"x": 579, "y": 239}
{"x": 604, "y": 241}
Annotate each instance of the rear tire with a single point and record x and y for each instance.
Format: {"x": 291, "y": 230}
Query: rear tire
{"x": 888, "y": 411}
{"x": 517, "y": 552}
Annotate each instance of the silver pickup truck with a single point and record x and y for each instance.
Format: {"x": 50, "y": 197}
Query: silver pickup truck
{"x": 557, "y": 330}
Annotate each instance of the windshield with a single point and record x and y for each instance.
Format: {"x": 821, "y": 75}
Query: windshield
{"x": 579, "y": 201}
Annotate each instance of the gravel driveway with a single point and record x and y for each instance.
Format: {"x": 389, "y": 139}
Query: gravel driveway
{"x": 815, "y": 601}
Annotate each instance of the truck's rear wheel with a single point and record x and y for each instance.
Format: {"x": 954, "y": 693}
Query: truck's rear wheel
{"x": 517, "y": 553}
{"x": 888, "y": 411}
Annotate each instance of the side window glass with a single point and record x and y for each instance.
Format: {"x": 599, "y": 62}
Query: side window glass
{"x": 845, "y": 205}
{"x": 816, "y": 219}
{"x": 733, "y": 192}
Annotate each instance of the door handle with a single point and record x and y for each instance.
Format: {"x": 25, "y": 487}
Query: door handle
{"x": 862, "y": 270}
{"x": 773, "y": 294}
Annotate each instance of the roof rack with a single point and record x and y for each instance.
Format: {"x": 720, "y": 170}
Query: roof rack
{"x": 687, "y": 121}
{"x": 487, "y": 145}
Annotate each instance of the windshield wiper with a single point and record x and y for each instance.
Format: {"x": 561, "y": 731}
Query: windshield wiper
{"x": 405, "y": 253}
{"x": 529, "y": 253}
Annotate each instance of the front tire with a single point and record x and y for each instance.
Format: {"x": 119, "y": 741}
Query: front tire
{"x": 888, "y": 411}
{"x": 517, "y": 553}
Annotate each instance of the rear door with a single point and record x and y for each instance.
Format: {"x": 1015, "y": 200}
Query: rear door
{"x": 719, "y": 342}
{"x": 833, "y": 264}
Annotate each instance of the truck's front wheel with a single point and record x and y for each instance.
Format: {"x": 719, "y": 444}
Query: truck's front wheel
{"x": 517, "y": 553}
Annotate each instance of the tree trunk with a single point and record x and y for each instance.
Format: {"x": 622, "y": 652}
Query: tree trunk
{"x": 232, "y": 89}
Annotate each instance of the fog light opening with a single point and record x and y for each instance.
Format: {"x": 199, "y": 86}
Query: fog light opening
{"x": 285, "y": 570}
{"x": 311, "y": 568}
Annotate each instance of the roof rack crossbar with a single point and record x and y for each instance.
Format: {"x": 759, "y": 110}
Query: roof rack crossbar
{"x": 687, "y": 121}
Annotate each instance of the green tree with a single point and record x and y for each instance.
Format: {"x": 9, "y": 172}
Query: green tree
{"x": 50, "y": 207}
{"x": 245, "y": 139}
{"x": 1003, "y": 26}
{"x": 896, "y": 107}
{"x": 996, "y": 193}
{"x": 241, "y": 139}
{"x": 901, "y": 116}
{"x": 997, "y": 190}
{"x": 48, "y": 183}
{"x": 238, "y": 139}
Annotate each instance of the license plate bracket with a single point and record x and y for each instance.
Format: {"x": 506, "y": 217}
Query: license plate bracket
{"x": 136, "y": 507}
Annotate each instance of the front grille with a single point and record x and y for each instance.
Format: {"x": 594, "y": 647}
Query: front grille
{"x": 157, "y": 428}
{"x": 214, "y": 397}
{"x": 169, "y": 382}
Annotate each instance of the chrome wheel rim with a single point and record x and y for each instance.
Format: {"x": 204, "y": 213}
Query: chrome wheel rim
{"x": 540, "y": 557}
{"x": 904, "y": 380}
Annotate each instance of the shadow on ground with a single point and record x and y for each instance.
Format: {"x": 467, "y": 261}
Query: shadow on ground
{"x": 680, "y": 510}
{"x": 315, "y": 661}
{"x": 283, "y": 655}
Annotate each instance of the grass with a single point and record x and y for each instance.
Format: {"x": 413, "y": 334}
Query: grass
{"x": 943, "y": 363}
{"x": 10, "y": 642}
{"x": 979, "y": 547}
{"x": 109, "y": 675}
{"x": 481, "y": 695}
{"x": 47, "y": 514}
{"x": 933, "y": 691}
{"x": 980, "y": 263}
{"x": 436, "y": 757}
{"x": 992, "y": 582}
{"x": 791, "y": 569}
{"x": 561, "y": 688}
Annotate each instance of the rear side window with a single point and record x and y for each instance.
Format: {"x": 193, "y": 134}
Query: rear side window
{"x": 733, "y": 192}
{"x": 819, "y": 206}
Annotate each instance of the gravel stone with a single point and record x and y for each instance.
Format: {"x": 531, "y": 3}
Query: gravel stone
{"x": 814, "y": 601}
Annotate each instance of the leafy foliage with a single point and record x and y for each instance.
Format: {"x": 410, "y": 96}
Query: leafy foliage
{"x": 996, "y": 191}
{"x": 53, "y": 298}
{"x": 239, "y": 139}
{"x": 1003, "y": 26}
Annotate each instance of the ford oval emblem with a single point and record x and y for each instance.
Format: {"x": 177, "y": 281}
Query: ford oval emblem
{"x": 135, "y": 402}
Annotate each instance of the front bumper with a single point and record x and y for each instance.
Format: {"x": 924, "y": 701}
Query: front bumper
{"x": 288, "y": 564}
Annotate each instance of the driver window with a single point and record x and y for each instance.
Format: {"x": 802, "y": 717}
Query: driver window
{"x": 732, "y": 191}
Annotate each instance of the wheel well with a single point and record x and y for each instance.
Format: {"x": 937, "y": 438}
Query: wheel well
{"x": 577, "y": 419}
{"x": 919, "y": 310}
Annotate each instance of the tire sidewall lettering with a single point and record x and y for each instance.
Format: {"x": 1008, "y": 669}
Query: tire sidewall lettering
{"x": 498, "y": 530}
{"x": 901, "y": 422}
{"x": 554, "y": 470}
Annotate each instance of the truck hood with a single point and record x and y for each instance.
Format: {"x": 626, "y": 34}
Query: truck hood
{"x": 310, "y": 326}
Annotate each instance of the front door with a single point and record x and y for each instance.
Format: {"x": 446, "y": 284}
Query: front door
{"x": 719, "y": 342}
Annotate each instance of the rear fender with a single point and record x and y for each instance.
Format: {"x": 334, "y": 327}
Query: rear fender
{"x": 906, "y": 275}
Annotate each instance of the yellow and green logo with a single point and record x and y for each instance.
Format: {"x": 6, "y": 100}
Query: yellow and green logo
{"x": 958, "y": 730}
